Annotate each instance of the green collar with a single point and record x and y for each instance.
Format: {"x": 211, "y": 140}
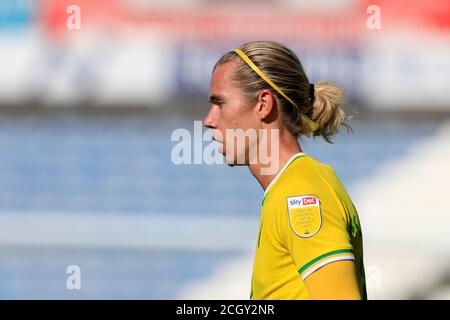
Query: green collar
{"x": 290, "y": 161}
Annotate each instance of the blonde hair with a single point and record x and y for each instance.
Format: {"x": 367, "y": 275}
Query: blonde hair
{"x": 282, "y": 66}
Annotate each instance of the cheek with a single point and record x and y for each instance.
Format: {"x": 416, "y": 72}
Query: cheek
{"x": 241, "y": 116}
{"x": 237, "y": 114}
{"x": 230, "y": 118}
{"x": 244, "y": 121}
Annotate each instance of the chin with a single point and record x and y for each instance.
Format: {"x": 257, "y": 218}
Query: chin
{"x": 234, "y": 162}
{"x": 237, "y": 164}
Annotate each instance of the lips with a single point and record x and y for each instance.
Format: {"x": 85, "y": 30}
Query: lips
{"x": 221, "y": 144}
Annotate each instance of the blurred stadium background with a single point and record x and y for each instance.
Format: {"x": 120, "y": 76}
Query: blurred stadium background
{"x": 86, "y": 117}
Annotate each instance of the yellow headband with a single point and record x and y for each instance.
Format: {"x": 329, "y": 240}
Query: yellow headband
{"x": 313, "y": 126}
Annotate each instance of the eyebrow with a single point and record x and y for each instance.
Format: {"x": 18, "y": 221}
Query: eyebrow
{"x": 215, "y": 99}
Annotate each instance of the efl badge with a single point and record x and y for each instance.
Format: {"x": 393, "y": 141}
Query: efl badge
{"x": 305, "y": 217}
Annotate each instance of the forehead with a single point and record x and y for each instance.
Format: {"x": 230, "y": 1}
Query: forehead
{"x": 221, "y": 79}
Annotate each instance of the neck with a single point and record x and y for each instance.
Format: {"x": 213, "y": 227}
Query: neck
{"x": 288, "y": 147}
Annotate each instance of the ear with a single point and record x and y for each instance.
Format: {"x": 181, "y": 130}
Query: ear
{"x": 266, "y": 104}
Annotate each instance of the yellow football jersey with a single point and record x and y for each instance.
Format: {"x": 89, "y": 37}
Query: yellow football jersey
{"x": 307, "y": 221}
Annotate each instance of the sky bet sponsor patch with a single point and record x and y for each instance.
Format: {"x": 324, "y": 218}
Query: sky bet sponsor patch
{"x": 305, "y": 216}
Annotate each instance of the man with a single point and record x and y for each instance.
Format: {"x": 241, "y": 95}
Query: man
{"x": 310, "y": 241}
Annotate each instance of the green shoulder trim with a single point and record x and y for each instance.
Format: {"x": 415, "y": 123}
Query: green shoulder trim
{"x": 306, "y": 266}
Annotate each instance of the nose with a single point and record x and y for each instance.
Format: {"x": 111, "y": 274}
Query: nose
{"x": 210, "y": 121}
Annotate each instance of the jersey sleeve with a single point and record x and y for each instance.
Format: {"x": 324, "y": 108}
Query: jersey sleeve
{"x": 314, "y": 234}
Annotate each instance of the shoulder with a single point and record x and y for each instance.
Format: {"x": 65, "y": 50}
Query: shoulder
{"x": 308, "y": 185}
{"x": 294, "y": 185}
{"x": 306, "y": 175}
